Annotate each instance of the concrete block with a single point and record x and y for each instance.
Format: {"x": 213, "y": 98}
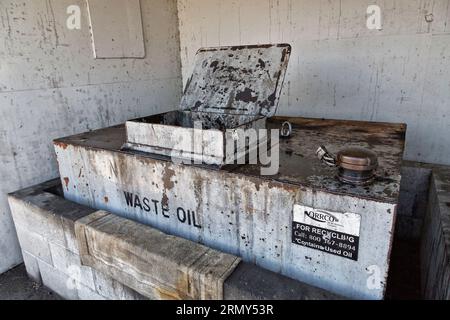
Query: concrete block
{"x": 32, "y": 266}
{"x": 69, "y": 235}
{"x": 85, "y": 293}
{"x": 113, "y": 289}
{"x": 48, "y": 214}
{"x": 32, "y": 217}
{"x": 156, "y": 265}
{"x": 47, "y": 227}
{"x": 58, "y": 281}
{"x": 69, "y": 263}
{"x": 35, "y": 245}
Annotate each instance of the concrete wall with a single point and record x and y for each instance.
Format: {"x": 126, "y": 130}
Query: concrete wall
{"x": 50, "y": 86}
{"x": 339, "y": 68}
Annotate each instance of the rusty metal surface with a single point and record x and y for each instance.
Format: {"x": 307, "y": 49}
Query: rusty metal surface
{"x": 172, "y": 132}
{"x": 238, "y": 80}
{"x": 385, "y": 139}
{"x": 230, "y": 88}
{"x": 298, "y": 163}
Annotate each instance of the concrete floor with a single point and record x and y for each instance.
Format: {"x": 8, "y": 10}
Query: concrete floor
{"x": 15, "y": 285}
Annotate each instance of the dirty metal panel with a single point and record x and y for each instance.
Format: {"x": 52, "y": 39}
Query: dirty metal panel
{"x": 239, "y": 80}
{"x": 298, "y": 162}
{"x": 231, "y": 87}
{"x": 172, "y": 135}
{"x": 246, "y": 216}
{"x": 240, "y": 212}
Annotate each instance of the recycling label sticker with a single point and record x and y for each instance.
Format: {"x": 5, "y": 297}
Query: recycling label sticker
{"x": 332, "y": 232}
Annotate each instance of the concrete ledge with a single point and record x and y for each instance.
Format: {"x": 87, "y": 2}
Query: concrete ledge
{"x": 249, "y": 282}
{"x": 40, "y": 211}
{"x": 157, "y": 265}
{"x": 36, "y": 210}
{"x": 45, "y": 223}
{"x": 435, "y": 246}
{"x": 424, "y": 216}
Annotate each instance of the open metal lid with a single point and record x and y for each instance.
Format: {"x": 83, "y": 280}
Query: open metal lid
{"x": 239, "y": 80}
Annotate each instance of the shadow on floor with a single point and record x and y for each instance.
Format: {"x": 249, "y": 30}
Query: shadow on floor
{"x": 15, "y": 285}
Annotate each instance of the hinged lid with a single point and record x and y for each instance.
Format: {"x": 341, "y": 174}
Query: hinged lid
{"x": 239, "y": 80}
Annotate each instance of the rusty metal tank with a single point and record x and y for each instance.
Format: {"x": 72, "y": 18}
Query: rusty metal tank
{"x": 300, "y": 222}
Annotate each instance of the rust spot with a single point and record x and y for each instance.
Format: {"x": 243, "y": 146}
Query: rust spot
{"x": 262, "y": 64}
{"x": 258, "y": 184}
{"x": 246, "y": 96}
{"x": 66, "y": 182}
{"x": 165, "y": 200}
{"x": 249, "y": 209}
{"x": 167, "y": 178}
{"x": 197, "y": 104}
{"x": 271, "y": 98}
{"x": 286, "y": 52}
{"x": 60, "y": 144}
{"x": 198, "y": 191}
{"x": 106, "y": 199}
{"x": 214, "y": 65}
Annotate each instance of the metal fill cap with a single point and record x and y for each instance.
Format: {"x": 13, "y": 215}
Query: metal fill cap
{"x": 357, "y": 159}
